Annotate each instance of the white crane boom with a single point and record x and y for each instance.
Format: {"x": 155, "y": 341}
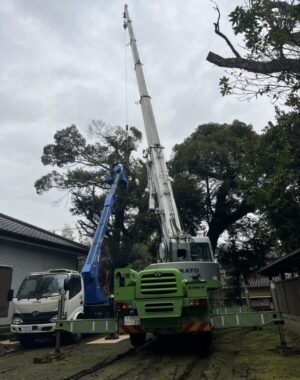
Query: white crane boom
{"x": 176, "y": 244}
{"x": 160, "y": 186}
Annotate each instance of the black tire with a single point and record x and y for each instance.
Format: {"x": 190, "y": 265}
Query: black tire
{"x": 69, "y": 338}
{"x": 26, "y": 341}
{"x": 138, "y": 340}
{"x": 204, "y": 341}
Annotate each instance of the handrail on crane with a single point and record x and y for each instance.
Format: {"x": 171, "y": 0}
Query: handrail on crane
{"x": 91, "y": 268}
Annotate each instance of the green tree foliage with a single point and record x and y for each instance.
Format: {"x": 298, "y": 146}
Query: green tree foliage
{"x": 80, "y": 170}
{"x": 208, "y": 168}
{"x": 273, "y": 183}
{"x": 247, "y": 246}
{"x": 270, "y": 63}
{"x": 245, "y": 187}
{"x": 275, "y": 180}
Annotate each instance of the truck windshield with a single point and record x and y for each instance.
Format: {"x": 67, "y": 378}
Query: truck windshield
{"x": 200, "y": 252}
{"x": 41, "y": 286}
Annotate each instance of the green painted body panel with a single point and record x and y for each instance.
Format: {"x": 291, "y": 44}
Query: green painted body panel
{"x": 158, "y": 308}
{"x": 230, "y": 310}
{"x": 163, "y": 300}
{"x": 124, "y": 284}
{"x": 163, "y": 283}
{"x": 162, "y": 325}
{"x": 213, "y": 284}
{"x": 173, "y": 325}
{"x": 245, "y": 319}
{"x": 196, "y": 289}
{"x": 88, "y": 326}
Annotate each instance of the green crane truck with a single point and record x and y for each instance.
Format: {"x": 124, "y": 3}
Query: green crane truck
{"x": 174, "y": 295}
{"x": 180, "y": 292}
{"x": 162, "y": 300}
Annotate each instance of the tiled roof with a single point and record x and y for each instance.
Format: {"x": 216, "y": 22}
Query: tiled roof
{"x": 257, "y": 281}
{"x": 14, "y": 228}
{"x": 285, "y": 264}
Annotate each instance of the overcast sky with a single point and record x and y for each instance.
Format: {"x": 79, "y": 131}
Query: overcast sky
{"x": 63, "y": 62}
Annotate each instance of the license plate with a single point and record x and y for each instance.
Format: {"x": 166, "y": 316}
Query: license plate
{"x": 132, "y": 321}
{"x": 26, "y": 329}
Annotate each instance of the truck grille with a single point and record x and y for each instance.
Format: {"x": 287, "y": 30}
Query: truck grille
{"x": 30, "y": 319}
{"x": 158, "y": 283}
{"x": 166, "y": 307}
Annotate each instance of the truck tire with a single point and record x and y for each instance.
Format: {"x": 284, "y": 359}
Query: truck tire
{"x": 204, "y": 340}
{"x": 26, "y": 341}
{"x": 69, "y": 338}
{"x": 138, "y": 339}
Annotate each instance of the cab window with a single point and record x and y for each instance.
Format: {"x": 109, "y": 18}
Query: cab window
{"x": 181, "y": 254}
{"x": 75, "y": 286}
{"x": 200, "y": 252}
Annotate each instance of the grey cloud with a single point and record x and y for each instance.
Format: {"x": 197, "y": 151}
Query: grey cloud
{"x": 62, "y": 62}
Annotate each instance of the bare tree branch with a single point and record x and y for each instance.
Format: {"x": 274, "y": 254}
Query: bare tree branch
{"x": 274, "y": 66}
{"x": 219, "y": 33}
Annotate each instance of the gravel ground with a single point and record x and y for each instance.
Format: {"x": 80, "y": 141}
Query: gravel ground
{"x": 236, "y": 354}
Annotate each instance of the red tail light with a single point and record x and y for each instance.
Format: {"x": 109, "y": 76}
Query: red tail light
{"x": 121, "y": 306}
{"x": 199, "y": 302}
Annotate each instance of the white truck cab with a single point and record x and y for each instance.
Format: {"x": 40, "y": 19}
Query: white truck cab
{"x": 35, "y": 305}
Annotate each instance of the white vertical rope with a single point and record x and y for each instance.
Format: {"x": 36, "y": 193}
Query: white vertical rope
{"x": 126, "y": 87}
{"x": 125, "y": 77}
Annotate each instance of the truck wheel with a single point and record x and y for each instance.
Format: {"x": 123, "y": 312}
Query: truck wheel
{"x": 69, "y": 338}
{"x": 208, "y": 338}
{"x": 26, "y": 341}
{"x": 205, "y": 340}
{"x": 138, "y": 339}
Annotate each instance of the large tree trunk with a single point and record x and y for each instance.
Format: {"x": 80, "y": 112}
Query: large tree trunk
{"x": 221, "y": 220}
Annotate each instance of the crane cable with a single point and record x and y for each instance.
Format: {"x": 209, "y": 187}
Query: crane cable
{"x": 126, "y": 87}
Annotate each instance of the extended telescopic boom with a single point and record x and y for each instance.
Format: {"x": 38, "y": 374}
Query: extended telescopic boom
{"x": 176, "y": 245}
{"x": 90, "y": 271}
{"x": 161, "y": 193}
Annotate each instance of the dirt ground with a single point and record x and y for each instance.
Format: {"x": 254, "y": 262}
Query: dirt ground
{"x": 236, "y": 354}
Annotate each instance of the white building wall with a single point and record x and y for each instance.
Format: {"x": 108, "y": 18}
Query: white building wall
{"x": 25, "y": 259}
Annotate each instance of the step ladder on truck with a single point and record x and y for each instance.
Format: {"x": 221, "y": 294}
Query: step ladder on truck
{"x": 178, "y": 293}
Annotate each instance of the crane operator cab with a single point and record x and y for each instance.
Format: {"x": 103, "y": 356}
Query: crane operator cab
{"x": 196, "y": 248}
{"x": 198, "y": 252}
{"x": 193, "y": 258}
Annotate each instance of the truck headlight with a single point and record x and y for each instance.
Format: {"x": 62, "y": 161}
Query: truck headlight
{"x": 17, "y": 321}
{"x": 55, "y": 318}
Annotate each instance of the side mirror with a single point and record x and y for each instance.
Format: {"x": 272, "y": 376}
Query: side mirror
{"x": 67, "y": 284}
{"x": 10, "y": 295}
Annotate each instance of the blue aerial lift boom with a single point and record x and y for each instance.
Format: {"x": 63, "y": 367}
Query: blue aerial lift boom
{"x": 90, "y": 272}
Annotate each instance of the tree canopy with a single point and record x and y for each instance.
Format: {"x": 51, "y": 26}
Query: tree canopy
{"x": 208, "y": 168}
{"x": 275, "y": 180}
{"x": 269, "y": 61}
{"x": 81, "y": 169}
{"x": 229, "y": 181}
{"x": 243, "y": 187}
